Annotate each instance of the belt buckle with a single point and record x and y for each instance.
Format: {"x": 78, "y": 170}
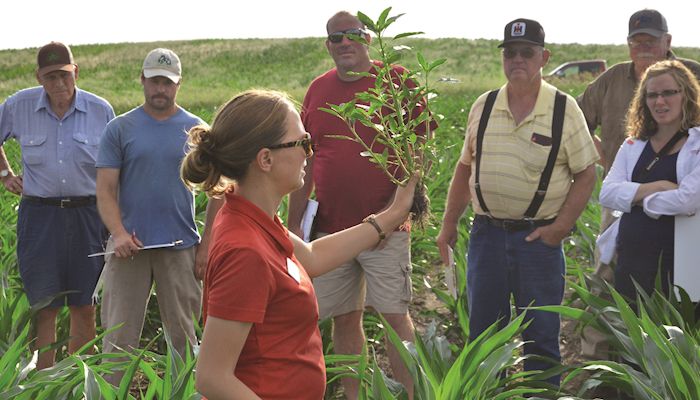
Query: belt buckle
{"x": 512, "y": 225}
{"x": 65, "y": 203}
{"x": 509, "y": 224}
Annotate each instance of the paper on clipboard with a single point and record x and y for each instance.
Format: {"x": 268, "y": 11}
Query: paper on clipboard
{"x": 686, "y": 269}
{"x": 307, "y": 219}
{"x": 153, "y": 246}
{"x": 450, "y": 278}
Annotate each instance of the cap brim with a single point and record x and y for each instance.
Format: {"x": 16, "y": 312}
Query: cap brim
{"x": 56, "y": 67}
{"x": 649, "y": 31}
{"x": 150, "y": 73}
{"x": 520, "y": 41}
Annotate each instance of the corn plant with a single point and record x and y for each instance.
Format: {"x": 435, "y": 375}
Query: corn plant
{"x": 658, "y": 346}
{"x": 443, "y": 371}
{"x": 396, "y": 109}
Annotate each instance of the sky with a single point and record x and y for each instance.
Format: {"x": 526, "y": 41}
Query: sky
{"x": 35, "y": 23}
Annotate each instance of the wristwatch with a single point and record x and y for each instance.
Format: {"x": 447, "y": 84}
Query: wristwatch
{"x": 4, "y": 173}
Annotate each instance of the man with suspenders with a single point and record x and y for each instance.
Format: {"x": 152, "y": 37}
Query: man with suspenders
{"x": 528, "y": 165}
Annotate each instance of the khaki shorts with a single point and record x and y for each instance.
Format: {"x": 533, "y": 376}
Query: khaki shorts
{"x": 380, "y": 279}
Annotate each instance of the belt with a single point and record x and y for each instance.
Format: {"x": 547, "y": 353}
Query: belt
{"x": 513, "y": 225}
{"x": 63, "y": 202}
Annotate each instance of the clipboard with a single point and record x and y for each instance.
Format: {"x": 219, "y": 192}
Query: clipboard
{"x": 153, "y": 246}
{"x": 686, "y": 261}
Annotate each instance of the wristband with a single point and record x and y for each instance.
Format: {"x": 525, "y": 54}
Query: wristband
{"x": 370, "y": 219}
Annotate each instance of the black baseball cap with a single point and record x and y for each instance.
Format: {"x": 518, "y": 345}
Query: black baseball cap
{"x": 647, "y": 21}
{"x": 523, "y": 30}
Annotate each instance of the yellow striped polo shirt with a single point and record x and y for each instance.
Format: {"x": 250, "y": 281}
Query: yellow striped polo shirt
{"x": 513, "y": 157}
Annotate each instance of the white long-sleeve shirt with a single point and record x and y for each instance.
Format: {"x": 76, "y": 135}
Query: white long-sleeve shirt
{"x": 618, "y": 189}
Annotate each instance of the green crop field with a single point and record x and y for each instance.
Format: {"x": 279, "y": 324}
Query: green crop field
{"x": 445, "y": 366}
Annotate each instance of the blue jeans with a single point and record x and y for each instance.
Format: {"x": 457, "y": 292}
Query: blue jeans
{"x": 501, "y": 264}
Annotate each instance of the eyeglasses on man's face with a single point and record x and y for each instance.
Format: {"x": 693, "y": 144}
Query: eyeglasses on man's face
{"x": 337, "y": 37}
{"x": 525, "y": 52}
{"x": 664, "y": 94}
{"x": 646, "y": 43}
{"x": 304, "y": 143}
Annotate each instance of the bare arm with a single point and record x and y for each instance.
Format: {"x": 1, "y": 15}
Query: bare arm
{"x": 221, "y": 347}
{"x": 125, "y": 243}
{"x": 576, "y": 200}
{"x": 458, "y": 197}
{"x": 202, "y": 250}
{"x": 11, "y": 182}
{"x": 328, "y": 252}
{"x": 298, "y": 199}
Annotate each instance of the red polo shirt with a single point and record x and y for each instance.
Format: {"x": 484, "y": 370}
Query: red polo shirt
{"x": 253, "y": 276}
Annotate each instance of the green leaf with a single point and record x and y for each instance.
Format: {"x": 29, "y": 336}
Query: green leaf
{"x": 381, "y": 21}
{"x": 367, "y": 21}
{"x": 436, "y": 64}
{"x": 391, "y": 20}
{"x": 407, "y": 34}
{"x": 421, "y": 61}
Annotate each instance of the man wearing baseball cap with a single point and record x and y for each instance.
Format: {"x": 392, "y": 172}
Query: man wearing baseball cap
{"x": 527, "y": 166}
{"x": 58, "y": 127}
{"x": 144, "y": 203}
{"x": 605, "y": 102}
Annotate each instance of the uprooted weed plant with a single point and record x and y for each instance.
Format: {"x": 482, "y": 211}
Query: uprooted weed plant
{"x": 396, "y": 110}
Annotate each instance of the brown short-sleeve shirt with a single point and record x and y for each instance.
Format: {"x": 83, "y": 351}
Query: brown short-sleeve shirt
{"x": 606, "y": 100}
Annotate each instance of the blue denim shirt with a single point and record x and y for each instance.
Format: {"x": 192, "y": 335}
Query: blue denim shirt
{"x": 58, "y": 154}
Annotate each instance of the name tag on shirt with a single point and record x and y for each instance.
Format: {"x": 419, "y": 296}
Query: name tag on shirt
{"x": 293, "y": 270}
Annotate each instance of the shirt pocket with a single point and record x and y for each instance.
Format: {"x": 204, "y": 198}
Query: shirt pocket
{"x": 33, "y": 148}
{"x": 534, "y": 159}
{"x": 85, "y": 149}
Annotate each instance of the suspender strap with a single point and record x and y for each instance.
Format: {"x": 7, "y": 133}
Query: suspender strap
{"x": 557, "y": 127}
{"x": 483, "y": 122}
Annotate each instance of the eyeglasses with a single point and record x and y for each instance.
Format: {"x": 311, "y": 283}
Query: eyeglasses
{"x": 337, "y": 37}
{"x": 635, "y": 43}
{"x": 525, "y": 52}
{"x": 305, "y": 143}
{"x": 652, "y": 96}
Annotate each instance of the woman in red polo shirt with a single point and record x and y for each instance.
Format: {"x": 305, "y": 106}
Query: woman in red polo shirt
{"x": 261, "y": 337}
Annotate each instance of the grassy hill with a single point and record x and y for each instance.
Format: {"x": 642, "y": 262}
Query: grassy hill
{"x": 214, "y": 70}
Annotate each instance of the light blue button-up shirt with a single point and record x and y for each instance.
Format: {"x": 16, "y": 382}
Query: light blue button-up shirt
{"x": 58, "y": 154}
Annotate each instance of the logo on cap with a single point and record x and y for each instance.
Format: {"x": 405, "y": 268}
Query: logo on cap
{"x": 164, "y": 60}
{"x": 518, "y": 29}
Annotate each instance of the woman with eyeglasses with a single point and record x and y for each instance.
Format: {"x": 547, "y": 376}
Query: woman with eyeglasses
{"x": 261, "y": 337}
{"x": 655, "y": 176}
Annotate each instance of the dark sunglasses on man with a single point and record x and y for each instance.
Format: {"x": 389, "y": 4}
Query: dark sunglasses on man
{"x": 525, "y": 52}
{"x": 305, "y": 143}
{"x": 337, "y": 37}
